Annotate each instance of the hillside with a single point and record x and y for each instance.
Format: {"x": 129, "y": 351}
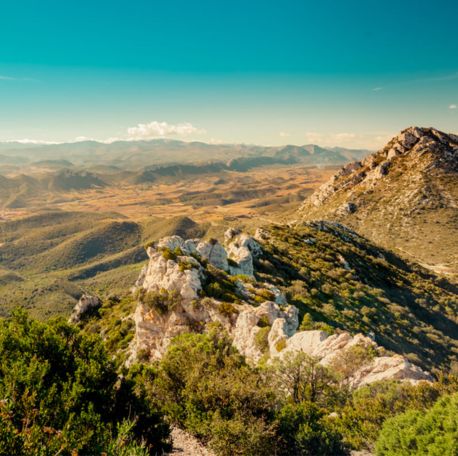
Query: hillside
{"x": 341, "y": 279}
{"x": 48, "y": 259}
{"x": 319, "y": 277}
{"x": 404, "y": 197}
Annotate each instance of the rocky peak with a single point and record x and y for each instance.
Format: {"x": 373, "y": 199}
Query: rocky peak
{"x": 395, "y": 196}
{"x": 416, "y": 140}
{"x": 413, "y": 142}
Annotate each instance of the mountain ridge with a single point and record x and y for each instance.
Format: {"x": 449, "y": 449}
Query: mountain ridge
{"x": 400, "y": 197}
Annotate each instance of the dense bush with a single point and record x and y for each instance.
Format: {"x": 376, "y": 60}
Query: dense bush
{"x": 415, "y": 433}
{"x": 362, "y": 416}
{"x": 304, "y": 429}
{"x": 162, "y": 301}
{"x": 60, "y": 393}
{"x": 205, "y": 386}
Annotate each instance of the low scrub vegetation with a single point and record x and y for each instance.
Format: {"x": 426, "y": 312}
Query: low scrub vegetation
{"x": 339, "y": 280}
{"x": 61, "y": 394}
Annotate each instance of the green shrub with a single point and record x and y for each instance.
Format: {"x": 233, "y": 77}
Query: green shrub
{"x": 352, "y": 359}
{"x": 305, "y": 431}
{"x": 162, "y": 301}
{"x": 265, "y": 294}
{"x": 169, "y": 254}
{"x": 61, "y": 393}
{"x": 261, "y": 339}
{"x": 361, "y": 418}
{"x": 415, "y": 433}
{"x": 280, "y": 345}
{"x": 227, "y": 309}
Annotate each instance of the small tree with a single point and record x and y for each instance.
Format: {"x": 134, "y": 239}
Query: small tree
{"x": 303, "y": 379}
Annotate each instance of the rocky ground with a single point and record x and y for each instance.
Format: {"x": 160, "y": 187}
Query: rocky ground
{"x": 185, "y": 444}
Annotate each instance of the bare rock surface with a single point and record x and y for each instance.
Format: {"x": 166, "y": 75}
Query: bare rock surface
{"x": 85, "y": 305}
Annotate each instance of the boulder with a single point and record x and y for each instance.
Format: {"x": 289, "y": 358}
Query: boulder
{"x": 327, "y": 349}
{"x": 83, "y": 307}
{"x": 241, "y": 250}
{"x": 214, "y": 253}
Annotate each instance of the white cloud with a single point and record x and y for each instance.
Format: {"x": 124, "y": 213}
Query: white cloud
{"x": 284, "y": 134}
{"x": 157, "y": 129}
{"x": 452, "y": 106}
{"x": 377, "y": 89}
{"x": 4, "y": 77}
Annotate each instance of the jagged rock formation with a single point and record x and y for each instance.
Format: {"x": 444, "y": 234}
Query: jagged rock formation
{"x": 86, "y": 305}
{"x": 173, "y": 287}
{"x": 329, "y": 348}
{"x": 180, "y": 290}
{"x": 405, "y": 196}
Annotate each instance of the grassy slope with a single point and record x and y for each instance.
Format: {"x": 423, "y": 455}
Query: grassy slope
{"x": 343, "y": 280}
{"x": 47, "y": 260}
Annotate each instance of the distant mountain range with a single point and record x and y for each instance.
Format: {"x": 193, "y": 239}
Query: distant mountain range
{"x": 31, "y": 170}
{"x": 133, "y": 155}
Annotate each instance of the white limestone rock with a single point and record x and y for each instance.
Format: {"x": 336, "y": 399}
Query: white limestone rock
{"x": 85, "y": 304}
{"x": 241, "y": 249}
{"x": 162, "y": 273}
{"x": 283, "y": 323}
{"x": 389, "y": 368}
{"x": 214, "y": 253}
{"x": 329, "y": 348}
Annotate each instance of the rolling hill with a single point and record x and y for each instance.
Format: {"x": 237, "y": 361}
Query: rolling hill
{"x": 48, "y": 259}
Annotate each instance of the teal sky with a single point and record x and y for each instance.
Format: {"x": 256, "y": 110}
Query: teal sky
{"x": 332, "y": 72}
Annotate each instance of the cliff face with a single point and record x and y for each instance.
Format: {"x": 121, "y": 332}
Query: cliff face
{"x": 190, "y": 284}
{"x": 404, "y": 197}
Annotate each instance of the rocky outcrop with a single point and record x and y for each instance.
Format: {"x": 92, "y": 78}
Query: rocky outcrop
{"x": 241, "y": 250}
{"x": 173, "y": 298}
{"x": 330, "y": 350}
{"x": 252, "y": 320}
{"x": 183, "y": 275}
{"x": 214, "y": 253}
{"x": 85, "y": 306}
{"x": 171, "y": 294}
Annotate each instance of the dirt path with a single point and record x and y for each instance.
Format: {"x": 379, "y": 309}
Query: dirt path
{"x": 186, "y": 445}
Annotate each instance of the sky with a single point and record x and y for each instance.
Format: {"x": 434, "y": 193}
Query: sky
{"x": 332, "y": 72}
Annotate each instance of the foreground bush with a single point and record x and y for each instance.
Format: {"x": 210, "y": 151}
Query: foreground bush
{"x": 205, "y": 386}
{"x": 361, "y": 418}
{"x": 416, "y": 433}
{"x": 60, "y": 394}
